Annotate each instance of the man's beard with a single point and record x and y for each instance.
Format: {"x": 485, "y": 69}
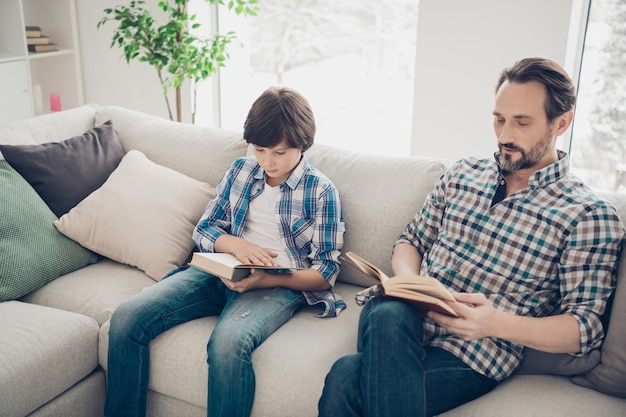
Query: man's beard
{"x": 528, "y": 159}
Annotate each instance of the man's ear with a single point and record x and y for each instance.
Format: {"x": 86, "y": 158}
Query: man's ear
{"x": 563, "y": 122}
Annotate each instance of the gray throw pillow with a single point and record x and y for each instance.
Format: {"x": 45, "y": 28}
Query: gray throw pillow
{"x": 64, "y": 173}
{"x": 609, "y": 376}
{"x": 536, "y": 362}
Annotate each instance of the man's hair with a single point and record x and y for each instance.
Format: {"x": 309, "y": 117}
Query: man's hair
{"x": 280, "y": 113}
{"x": 560, "y": 91}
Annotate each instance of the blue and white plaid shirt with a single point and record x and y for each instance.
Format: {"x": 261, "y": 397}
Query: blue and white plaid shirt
{"x": 308, "y": 217}
{"x": 550, "y": 248}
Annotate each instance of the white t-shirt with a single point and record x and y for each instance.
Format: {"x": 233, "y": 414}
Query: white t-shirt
{"x": 261, "y": 227}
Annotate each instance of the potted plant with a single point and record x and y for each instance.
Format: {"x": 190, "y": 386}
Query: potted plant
{"x": 172, "y": 48}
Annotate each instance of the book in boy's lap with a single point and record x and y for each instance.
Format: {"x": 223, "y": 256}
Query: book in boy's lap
{"x": 227, "y": 266}
{"x": 425, "y": 293}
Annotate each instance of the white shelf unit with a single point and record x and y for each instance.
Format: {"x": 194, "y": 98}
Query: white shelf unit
{"x": 44, "y": 73}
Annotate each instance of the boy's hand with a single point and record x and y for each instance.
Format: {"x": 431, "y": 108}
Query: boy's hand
{"x": 257, "y": 279}
{"x": 251, "y": 254}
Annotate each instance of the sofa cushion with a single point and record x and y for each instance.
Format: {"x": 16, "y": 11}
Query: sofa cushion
{"x": 143, "y": 216}
{"x": 44, "y": 351}
{"x": 536, "y": 362}
{"x": 94, "y": 291}
{"x": 609, "y": 376}
{"x": 32, "y": 251}
{"x": 206, "y": 152}
{"x": 376, "y": 207}
{"x": 64, "y": 173}
{"x": 304, "y": 347}
{"x": 540, "y": 395}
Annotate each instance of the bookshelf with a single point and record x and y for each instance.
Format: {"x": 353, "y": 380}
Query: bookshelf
{"x": 27, "y": 79}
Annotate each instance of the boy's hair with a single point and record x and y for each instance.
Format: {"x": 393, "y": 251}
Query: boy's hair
{"x": 280, "y": 113}
{"x": 560, "y": 91}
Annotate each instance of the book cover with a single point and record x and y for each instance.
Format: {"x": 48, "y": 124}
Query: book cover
{"x": 41, "y": 40}
{"x": 227, "y": 266}
{"x": 426, "y": 293}
{"x": 43, "y": 48}
{"x": 33, "y": 31}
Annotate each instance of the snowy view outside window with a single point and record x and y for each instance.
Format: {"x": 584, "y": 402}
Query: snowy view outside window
{"x": 598, "y": 149}
{"x": 352, "y": 59}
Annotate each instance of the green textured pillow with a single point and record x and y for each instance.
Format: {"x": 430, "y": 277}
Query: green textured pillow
{"x": 32, "y": 251}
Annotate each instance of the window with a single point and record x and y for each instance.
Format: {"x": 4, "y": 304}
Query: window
{"x": 598, "y": 147}
{"x": 352, "y": 59}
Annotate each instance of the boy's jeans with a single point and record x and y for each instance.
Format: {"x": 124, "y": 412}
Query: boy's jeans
{"x": 246, "y": 320}
{"x": 393, "y": 374}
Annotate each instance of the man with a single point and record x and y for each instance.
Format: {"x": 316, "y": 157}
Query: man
{"x": 528, "y": 251}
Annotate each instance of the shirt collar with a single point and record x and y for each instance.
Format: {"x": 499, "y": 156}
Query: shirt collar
{"x": 293, "y": 179}
{"x": 549, "y": 174}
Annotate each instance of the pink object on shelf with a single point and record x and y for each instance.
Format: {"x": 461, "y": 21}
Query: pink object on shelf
{"x": 55, "y": 102}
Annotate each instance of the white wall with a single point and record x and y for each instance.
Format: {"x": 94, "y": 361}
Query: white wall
{"x": 107, "y": 78}
{"x": 461, "y": 48}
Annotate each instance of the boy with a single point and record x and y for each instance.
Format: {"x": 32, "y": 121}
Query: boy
{"x": 271, "y": 209}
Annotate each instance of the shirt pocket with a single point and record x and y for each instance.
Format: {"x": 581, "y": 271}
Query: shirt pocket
{"x": 302, "y": 231}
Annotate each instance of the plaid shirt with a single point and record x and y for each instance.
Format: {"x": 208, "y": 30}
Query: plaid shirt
{"x": 550, "y": 248}
{"x": 308, "y": 217}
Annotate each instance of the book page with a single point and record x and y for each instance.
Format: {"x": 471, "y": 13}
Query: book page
{"x": 364, "y": 266}
{"x": 423, "y": 284}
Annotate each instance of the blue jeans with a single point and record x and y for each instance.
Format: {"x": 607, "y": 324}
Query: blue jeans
{"x": 246, "y": 320}
{"x": 393, "y": 374}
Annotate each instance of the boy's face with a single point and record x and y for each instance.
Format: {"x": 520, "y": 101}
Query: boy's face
{"x": 278, "y": 162}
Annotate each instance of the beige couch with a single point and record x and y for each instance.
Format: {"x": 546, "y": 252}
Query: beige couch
{"x": 53, "y": 341}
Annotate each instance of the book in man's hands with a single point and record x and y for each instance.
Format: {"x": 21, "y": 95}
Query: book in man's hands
{"x": 227, "y": 266}
{"x": 425, "y": 293}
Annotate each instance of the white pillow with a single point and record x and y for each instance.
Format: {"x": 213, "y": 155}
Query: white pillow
{"x": 143, "y": 216}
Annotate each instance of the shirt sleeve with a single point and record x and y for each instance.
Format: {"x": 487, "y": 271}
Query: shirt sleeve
{"x": 588, "y": 271}
{"x": 216, "y": 219}
{"x": 328, "y": 234}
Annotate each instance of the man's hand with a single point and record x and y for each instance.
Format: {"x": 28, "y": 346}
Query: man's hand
{"x": 476, "y": 316}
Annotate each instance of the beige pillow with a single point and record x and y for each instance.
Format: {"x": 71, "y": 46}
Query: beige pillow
{"x": 143, "y": 216}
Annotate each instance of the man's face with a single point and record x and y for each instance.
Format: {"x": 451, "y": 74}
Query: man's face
{"x": 526, "y": 140}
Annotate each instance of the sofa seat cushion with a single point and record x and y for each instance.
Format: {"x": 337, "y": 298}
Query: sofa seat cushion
{"x": 94, "y": 291}
{"x": 541, "y": 395}
{"x": 44, "y": 351}
{"x": 305, "y": 347}
{"x": 85, "y": 399}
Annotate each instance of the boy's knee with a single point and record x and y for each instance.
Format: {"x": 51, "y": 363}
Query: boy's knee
{"x": 127, "y": 320}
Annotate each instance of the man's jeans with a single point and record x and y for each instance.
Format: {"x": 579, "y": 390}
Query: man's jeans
{"x": 246, "y": 320}
{"x": 393, "y": 374}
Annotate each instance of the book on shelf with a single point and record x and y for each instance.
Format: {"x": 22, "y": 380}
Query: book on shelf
{"x": 33, "y": 31}
{"x": 227, "y": 266}
{"x": 40, "y": 40}
{"x": 43, "y": 48}
{"x": 425, "y": 293}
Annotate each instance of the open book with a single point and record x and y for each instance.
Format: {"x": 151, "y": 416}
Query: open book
{"x": 426, "y": 293}
{"x": 226, "y": 266}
